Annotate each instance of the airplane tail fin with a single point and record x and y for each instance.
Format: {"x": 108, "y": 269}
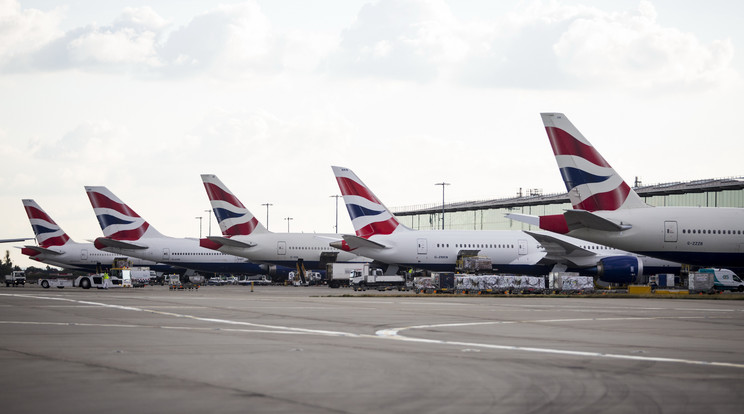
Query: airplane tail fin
{"x": 368, "y": 215}
{"x": 48, "y": 233}
{"x": 591, "y": 182}
{"x": 117, "y": 220}
{"x": 233, "y": 217}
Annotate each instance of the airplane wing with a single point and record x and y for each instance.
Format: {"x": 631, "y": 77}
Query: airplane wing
{"x": 227, "y": 241}
{"x": 576, "y": 219}
{"x": 356, "y": 242}
{"x": 42, "y": 250}
{"x": 118, "y": 244}
{"x": 556, "y": 247}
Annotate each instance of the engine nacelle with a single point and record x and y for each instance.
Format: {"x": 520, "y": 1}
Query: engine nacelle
{"x": 620, "y": 269}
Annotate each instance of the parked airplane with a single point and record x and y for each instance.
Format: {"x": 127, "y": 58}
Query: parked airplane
{"x": 608, "y": 211}
{"x": 382, "y": 237}
{"x": 125, "y": 232}
{"x": 243, "y": 235}
{"x": 55, "y": 247}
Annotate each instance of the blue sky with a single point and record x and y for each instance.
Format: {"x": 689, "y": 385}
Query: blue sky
{"x": 142, "y": 97}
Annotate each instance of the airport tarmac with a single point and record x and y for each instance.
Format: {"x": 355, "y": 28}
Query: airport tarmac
{"x": 321, "y": 350}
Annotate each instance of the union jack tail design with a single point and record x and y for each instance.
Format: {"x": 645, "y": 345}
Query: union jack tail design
{"x": 48, "y": 233}
{"x": 591, "y": 182}
{"x": 234, "y": 218}
{"x": 368, "y": 215}
{"x": 117, "y": 220}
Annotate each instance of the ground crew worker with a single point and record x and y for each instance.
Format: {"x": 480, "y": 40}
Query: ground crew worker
{"x": 105, "y": 280}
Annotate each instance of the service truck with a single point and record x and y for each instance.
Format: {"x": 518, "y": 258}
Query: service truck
{"x": 724, "y": 279}
{"x": 15, "y": 278}
{"x": 368, "y": 278}
{"x": 338, "y": 274}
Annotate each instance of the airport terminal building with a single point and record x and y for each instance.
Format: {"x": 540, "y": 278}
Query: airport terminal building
{"x": 490, "y": 214}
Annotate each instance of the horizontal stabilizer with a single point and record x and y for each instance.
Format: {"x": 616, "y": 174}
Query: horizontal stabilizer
{"x": 577, "y": 219}
{"x": 356, "y": 242}
{"x": 117, "y": 244}
{"x": 524, "y": 218}
{"x": 43, "y": 250}
{"x": 557, "y": 247}
{"x": 227, "y": 241}
{"x": 15, "y": 240}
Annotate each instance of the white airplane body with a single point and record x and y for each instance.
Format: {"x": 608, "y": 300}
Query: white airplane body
{"x": 381, "y": 237}
{"x": 609, "y": 212}
{"x": 125, "y": 232}
{"x": 244, "y": 236}
{"x": 56, "y": 248}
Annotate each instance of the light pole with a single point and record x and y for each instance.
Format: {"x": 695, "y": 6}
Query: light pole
{"x": 267, "y": 213}
{"x": 209, "y": 215}
{"x": 336, "y": 196}
{"x": 288, "y": 219}
{"x": 442, "y": 184}
{"x": 200, "y": 222}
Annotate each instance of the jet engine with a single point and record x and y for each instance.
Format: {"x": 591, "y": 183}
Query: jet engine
{"x": 620, "y": 269}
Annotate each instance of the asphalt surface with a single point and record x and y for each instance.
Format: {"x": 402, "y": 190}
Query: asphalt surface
{"x": 320, "y": 350}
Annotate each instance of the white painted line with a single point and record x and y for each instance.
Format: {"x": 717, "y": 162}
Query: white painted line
{"x": 393, "y": 333}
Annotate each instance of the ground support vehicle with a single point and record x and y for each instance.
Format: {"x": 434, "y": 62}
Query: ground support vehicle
{"x": 255, "y": 280}
{"x": 367, "y": 278}
{"x": 499, "y": 284}
{"x": 662, "y": 280}
{"x": 698, "y": 282}
{"x": 724, "y": 279}
{"x": 15, "y": 278}
{"x": 338, "y": 274}
{"x": 58, "y": 282}
{"x": 96, "y": 281}
{"x": 174, "y": 283}
{"x": 567, "y": 282}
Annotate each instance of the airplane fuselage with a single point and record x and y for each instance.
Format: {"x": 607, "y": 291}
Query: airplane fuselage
{"x": 693, "y": 235}
{"x": 286, "y": 249}
{"x": 85, "y": 257}
{"x": 186, "y": 253}
{"x": 510, "y": 251}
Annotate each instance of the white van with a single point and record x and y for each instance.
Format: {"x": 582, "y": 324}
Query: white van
{"x": 725, "y": 279}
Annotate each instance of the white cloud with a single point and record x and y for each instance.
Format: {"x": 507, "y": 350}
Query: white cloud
{"x": 231, "y": 40}
{"x": 25, "y": 30}
{"x": 631, "y": 49}
{"x": 410, "y": 40}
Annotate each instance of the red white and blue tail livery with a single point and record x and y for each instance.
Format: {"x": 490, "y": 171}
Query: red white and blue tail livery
{"x": 368, "y": 215}
{"x": 56, "y": 248}
{"x": 127, "y": 233}
{"x": 48, "y": 233}
{"x": 234, "y": 219}
{"x": 591, "y": 182}
{"x": 117, "y": 220}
